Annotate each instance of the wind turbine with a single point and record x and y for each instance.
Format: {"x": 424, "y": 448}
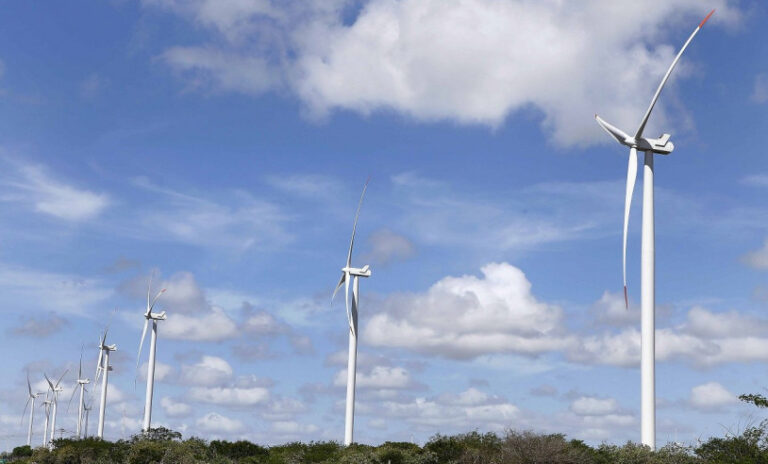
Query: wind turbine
{"x": 31, "y": 399}
{"x": 55, "y": 388}
{"x": 649, "y": 146}
{"x": 346, "y": 272}
{"x": 81, "y": 383}
{"x": 154, "y": 317}
{"x": 102, "y": 366}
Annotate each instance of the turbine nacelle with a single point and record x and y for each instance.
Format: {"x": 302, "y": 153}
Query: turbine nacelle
{"x": 156, "y": 316}
{"x": 365, "y": 271}
{"x": 661, "y": 145}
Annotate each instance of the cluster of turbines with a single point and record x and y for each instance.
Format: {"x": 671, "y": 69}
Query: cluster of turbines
{"x": 351, "y": 274}
{"x": 102, "y": 371}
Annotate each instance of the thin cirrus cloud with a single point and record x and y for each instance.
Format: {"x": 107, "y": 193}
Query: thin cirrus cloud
{"x": 36, "y": 188}
{"x": 386, "y": 58}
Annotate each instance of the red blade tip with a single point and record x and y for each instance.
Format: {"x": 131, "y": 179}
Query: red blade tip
{"x": 626, "y": 300}
{"x": 705, "y": 19}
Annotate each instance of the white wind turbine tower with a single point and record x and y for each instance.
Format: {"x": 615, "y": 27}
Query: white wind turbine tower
{"x": 81, "y": 383}
{"x": 47, "y": 405}
{"x": 87, "y": 409}
{"x": 649, "y": 146}
{"x": 56, "y": 389}
{"x": 103, "y": 367}
{"x": 154, "y": 317}
{"x": 346, "y": 272}
{"x": 31, "y": 399}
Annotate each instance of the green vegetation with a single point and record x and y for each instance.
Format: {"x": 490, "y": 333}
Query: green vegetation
{"x": 163, "y": 446}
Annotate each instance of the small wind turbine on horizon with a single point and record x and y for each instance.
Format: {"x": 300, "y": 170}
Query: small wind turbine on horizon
{"x": 154, "y": 317}
{"x": 103, "y": 368}
{"x": 81, "y": 383}
{"x": 346, "y": 272}
{"x": 56, "y": 389}
{"x": 31, "y": 399}
{"x": 649, "y": 146}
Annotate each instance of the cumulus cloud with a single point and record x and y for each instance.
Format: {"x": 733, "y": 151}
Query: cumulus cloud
{"x": 611, "y": 309}
{"x": 484, "y": 67}
{"x": 162, "y": 371}
{"x": 40, "y": 326}
{"x": 757, "y": 259}
{"x": 465, "y": 409}
{"x": 387, "y": 246}
{"x": 216, "y": 423}
{"x": 210, "y": 371}
{"x": 230, "y": 396}
{"x": 174, "y": 408}
{"x": 468, "y": 316}
{"x": 380, "y": 377}
{"x": 590, "y": 406}
{"x": 33, "y": 185}
{"x": 760, "y": 89}
{"x": 211, "y": 327}
{"x": 710, "y": 396}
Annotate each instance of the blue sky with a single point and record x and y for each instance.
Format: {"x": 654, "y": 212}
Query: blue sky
{"x": 223, "y": 145}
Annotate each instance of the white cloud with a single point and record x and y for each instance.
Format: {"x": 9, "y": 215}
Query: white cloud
{"x": 173, "y": 408}
{"x": 467, "y": 316}
{"x": 466, "y": 409}
{"x": 162, "y": 371}
{"x": 31, "y": 290}
{"x": 387, "y": 246}
{"x": 34, "y": 185}
{"x": 590, "y": 406}
{"x": 216, "y": 423}
{"x": 211, "y": 327}
{"x": 760, "y": 89}
{"x": 238, "y": 222}
{"x": 484, "y": 67}
{"x": 379, "y": 377}
{"x": 611, "y": 309}
{"x": 182, "y": 295}
{"x": 230, "y": 396}
{"x": 711, "y": 395}
{"x": 757, "y": 259}
{"x": 210, "y": 371}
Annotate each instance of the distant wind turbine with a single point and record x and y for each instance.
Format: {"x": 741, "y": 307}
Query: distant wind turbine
{"x": 649, "y": 146}
{"x": 103, "y": 368}
{"x": 81, "y": 383}
{"x": 30, "y": 402}
{"x": 346, "y": 272}
{"x": 154, "y": 317}
{"x": 55, "y": 389}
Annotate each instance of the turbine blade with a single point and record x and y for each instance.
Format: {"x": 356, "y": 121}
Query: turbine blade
{"x": 62, "y": 376}
{"x": 98, "y": 365}
{"x": 346, "y": 301}
{"x": 631, "y": 177}
{"x": 24, "y": 413}
{"x": 152, "y": 306}
{"x": 48, "y": 380}
{"x": 666, "y": 76}
{"x": 149, "y": 290}
{"x": 338, "y": 286}
{"x": 141, "y": 343}
{"x": 80, "y": 368}
{"x": 29, "y": 385}
{"x": 72, "y": 397}
{"x": 612, "y": 130}
{"x": 354, "y": 226}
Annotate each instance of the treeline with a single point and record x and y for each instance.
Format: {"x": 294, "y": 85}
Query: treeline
{"x": 164, "y": 446}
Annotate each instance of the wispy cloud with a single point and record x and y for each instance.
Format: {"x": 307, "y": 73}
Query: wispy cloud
{"x": 33, "y": 186}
